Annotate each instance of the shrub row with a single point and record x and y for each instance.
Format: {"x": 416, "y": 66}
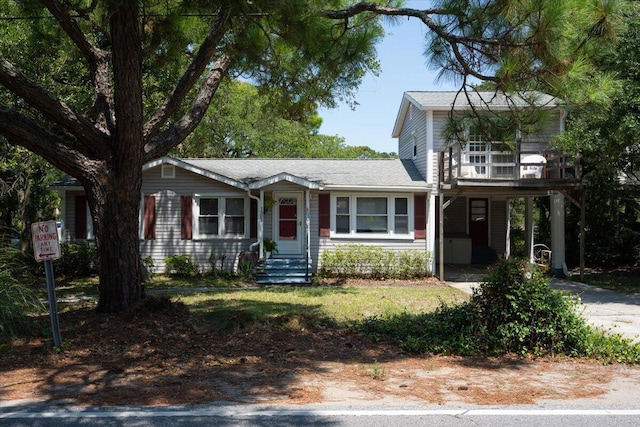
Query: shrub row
{"x": 364, "y": 261}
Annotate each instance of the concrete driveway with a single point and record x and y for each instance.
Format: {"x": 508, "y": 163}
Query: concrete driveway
{"x": 611, "y": 311}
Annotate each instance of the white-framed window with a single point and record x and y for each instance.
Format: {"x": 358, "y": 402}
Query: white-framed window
{"x": 219, "y": 216}
{"x": 372, "y": 215}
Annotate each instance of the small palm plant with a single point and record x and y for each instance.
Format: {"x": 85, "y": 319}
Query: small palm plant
{"x": 270, "y": 246}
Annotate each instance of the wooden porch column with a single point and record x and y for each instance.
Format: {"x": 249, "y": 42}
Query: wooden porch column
{"x": 557, "y": 234}
{"x": 528, "y": 227}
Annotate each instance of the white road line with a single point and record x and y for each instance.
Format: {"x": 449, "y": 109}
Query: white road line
{"x": 244, "y": 412}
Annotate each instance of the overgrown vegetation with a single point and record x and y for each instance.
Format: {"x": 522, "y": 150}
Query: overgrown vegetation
{"x": 18, "y": 302}
{"x": 375, "y": 262}
{"x": 513, "y": 311}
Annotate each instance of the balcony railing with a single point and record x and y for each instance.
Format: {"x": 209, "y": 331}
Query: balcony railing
{"x": 483, "y": 161}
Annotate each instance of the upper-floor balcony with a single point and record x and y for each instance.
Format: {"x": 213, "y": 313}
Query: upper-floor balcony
{"x": 494, "y": 164}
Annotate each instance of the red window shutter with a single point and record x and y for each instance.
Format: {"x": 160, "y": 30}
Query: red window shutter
{"x": 420, "y": 216}
{"x": 253, "y": 219}
{"x": 186, "y": 217}
{"x": 149, "y": 220}
{"x": 80, "y": 216}
{"x": 324, "y": 214}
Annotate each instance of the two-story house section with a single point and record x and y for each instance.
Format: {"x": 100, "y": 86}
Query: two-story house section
{"x": 472, "y": 176}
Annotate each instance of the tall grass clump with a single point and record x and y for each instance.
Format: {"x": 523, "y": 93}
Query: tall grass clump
{"x": 18, "y": 302}
{"x": 513, "y": 310}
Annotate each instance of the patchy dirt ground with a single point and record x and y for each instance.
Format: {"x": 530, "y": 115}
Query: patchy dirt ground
{"x": 164, "y": 356}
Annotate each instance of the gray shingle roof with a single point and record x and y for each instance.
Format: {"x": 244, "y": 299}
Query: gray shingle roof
{"x": 445, "y": 100}
{"x": 326, "y": 172}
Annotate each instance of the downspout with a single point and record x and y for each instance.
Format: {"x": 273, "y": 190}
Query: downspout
{"x": 259, "y": 242}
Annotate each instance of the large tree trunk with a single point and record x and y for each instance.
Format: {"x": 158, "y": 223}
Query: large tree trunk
{"x": 115, "y": 210}
{"x": 115, "y": 199}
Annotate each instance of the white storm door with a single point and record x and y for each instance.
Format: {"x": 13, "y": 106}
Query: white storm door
{"x": 287, "y": 225}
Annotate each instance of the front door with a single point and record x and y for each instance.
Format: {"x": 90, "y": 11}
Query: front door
{"x": 288, "y": 223}
{"x": 479, "y": 222}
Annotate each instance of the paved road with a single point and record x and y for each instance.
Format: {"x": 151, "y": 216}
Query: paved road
{"x": 612, "y": 311}
{"x": 313, "y": 415}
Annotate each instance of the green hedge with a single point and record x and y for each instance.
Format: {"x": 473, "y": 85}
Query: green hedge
{"x": 367, "y": 261}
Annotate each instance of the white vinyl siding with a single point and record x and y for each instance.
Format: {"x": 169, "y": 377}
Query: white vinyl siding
{"x": 168, "y": 241}
{"x": 412, "y": 142}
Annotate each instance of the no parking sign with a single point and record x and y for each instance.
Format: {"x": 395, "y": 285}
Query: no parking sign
{"x": 46, "y": 246}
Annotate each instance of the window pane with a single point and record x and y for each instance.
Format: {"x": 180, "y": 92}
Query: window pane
{"x": 208, "y": 206}
{"x": 208, "y": 225}
{"x": 372, "y": 205}
{"x": 342, "y": 224}
{"x": 402, "y": 225}
{"x": 234, "y": 225}
{"x": 401, "y": 206}
{"x": 342, "y": 205}
{"x": 371, "y": 224}
{"x": 234, "y": 207}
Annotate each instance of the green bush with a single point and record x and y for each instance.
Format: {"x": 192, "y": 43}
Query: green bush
{"x": 513, "y": 311}
{"x": 365, "y": 261}
{"x": 180, "y": 265}
{"x": 522, "y": 314}
{"x": 77, "y": 260}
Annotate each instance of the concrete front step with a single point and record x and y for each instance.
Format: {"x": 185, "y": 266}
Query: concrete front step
{"x": 282, "y": 280}
{"x": 283, "y": 271}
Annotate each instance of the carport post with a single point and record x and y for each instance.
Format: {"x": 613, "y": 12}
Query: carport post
{"x": 441, "y": 236}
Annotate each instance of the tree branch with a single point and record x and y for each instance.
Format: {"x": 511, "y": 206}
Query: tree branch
{"x": 97, "y": 60}
{"x": 161, "y": 144}
{"x": 94, "y": 142}
{"x": 192, "y": 74}
{"x": 26, "y": 132}
{"x": 426, "y": 16}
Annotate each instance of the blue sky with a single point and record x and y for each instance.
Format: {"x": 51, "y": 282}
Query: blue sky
{"x": 404, "y": 69}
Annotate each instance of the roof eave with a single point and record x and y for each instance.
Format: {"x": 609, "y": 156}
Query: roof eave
{"x": 284, "y": 177}
{"x": 195, "y": 169}
{"x": 380, "y": 188}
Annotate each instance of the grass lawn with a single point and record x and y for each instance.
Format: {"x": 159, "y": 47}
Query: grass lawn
{"x": 227, "y": 301}
{"x": 325, "y": 305}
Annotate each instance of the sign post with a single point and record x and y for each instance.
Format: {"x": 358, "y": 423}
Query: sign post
{"x": 46, "y": 247}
